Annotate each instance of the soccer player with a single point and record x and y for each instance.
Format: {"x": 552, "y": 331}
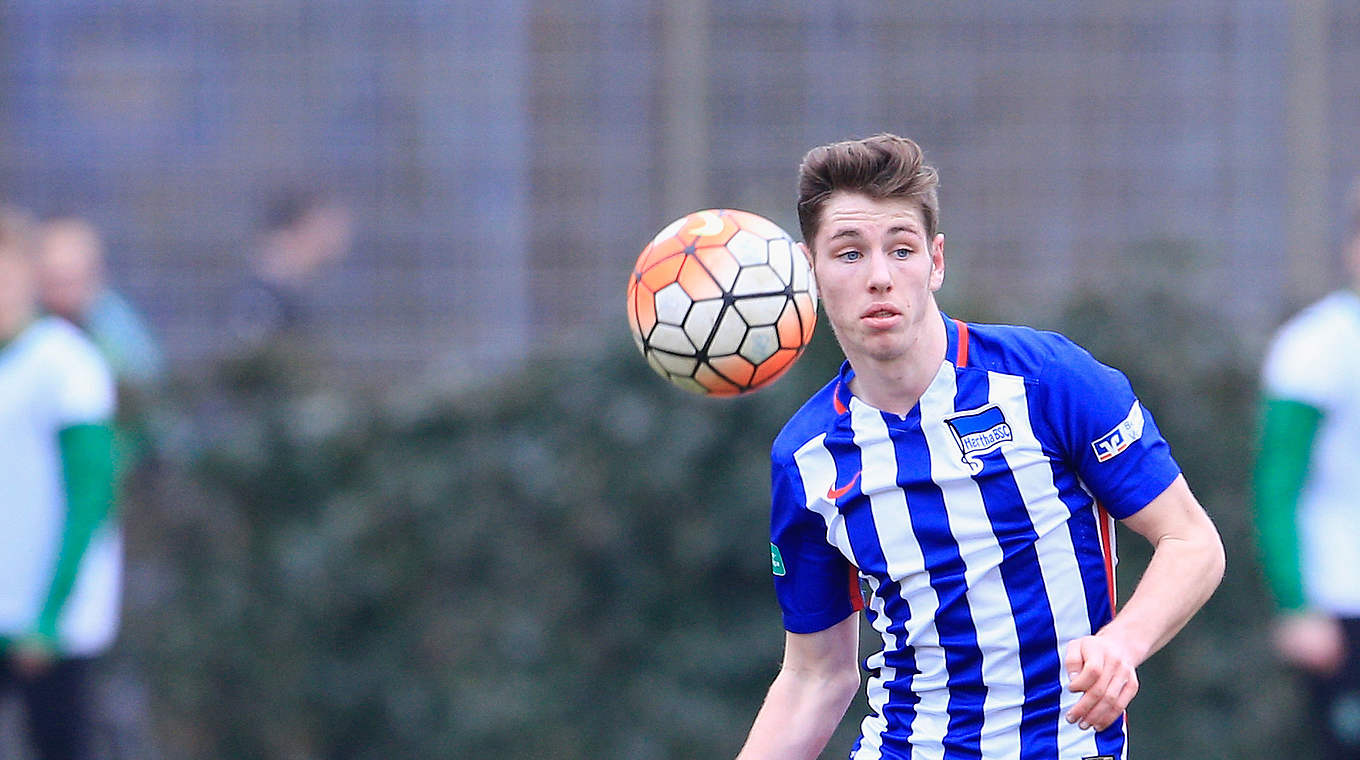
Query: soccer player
{"x": 60, "y": 559}
{"x": 1307, "y": 483}
{"x": 968, "y": 475}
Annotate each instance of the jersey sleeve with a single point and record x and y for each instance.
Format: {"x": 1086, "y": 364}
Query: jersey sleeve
{"x": 84, "y": 387}
{"x": 1104, "y": 432}
{"x": 816, "y": 585}
{"x": 1288, "y": 430}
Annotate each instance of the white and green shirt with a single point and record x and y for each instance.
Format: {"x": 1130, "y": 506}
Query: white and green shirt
{"x": 1308, "y": 474}
{"x": 60, "y": 546}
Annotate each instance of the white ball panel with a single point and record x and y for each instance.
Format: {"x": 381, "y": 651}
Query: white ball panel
{"x": 801, "y": 274}
{"x": 670, "y": 338}
{"x": 761, "y": 311}
{"x": 688, "y": 383}
{"x": 752, "y": 280}
{"x": 701, "y": 320}
{"x": 656, "y": 365}
{"x": 672, "y": 303}
{"x": 682, "y": 366}
{"x": 727, "y": 338}
{"x": 670, "y": 230}
{"x": 781, "y": 258}
{"x": 748, "y": 248}
{"x": 760, "y": 344}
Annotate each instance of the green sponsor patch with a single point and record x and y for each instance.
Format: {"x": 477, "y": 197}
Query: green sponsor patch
{"x": 777, "y": 560}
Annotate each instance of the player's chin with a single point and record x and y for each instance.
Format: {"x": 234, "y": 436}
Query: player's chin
{"x": 883, "y": 348}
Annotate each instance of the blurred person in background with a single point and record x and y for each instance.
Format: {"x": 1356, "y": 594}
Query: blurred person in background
{"x": 969, "y": 474}
{"x": 302, "y": 231}
{"x": 74, "y": 284}
{"x": 1307, "y": 492}
{"x": 60, "y": 548}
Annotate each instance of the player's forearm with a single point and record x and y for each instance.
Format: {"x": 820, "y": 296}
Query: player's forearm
{"x": 1182, "y": 575}
{"x": 800, "y": 713}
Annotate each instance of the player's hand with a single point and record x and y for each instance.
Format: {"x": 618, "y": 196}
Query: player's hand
{"x": 31, "y": 656}
{"x": 1103, "y": 672}
{"x": 1312, "y": 641}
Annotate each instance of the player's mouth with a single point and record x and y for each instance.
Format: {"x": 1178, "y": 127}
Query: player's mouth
{"x": 880, "y": 315}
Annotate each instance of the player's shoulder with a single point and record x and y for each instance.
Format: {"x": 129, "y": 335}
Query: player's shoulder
{"x": 54, "y": 334}
{"x": 1312, "y": 351}
{"x": 816, "y": 416}
{"x": 1020, "y": 349}
{"x": 1328, "y": 319}
{"x": 63, "y": 348}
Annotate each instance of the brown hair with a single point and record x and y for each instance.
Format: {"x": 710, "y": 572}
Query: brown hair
{"x": 883, "y": 166}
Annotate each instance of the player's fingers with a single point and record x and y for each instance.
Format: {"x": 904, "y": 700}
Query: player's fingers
{"x": 1086, "y": 708}
{"x": 1073, "y": 659}
{"x": 1116, "y": 700}
{"x": 1089, "y": 665}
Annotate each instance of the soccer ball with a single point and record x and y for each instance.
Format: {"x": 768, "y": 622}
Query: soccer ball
{"x": 722, "y": 302}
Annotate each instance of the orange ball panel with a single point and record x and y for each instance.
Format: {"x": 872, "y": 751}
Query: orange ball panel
{"x": 772, "y": 368}
{"x": 657, "y": 252}
{"x": 734, "y": 368}
{"x": 790, "y": 329}
{"x": 714, "y": 382}
{"x": 696, "y": 280}
{"x": 807, "y": 312}
{"x": 720, "y": 264}
{"x": 663, "y": 273}
{"x": 641, "y": 309}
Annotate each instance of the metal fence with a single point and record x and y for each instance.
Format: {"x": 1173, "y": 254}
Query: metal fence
{"x": 506, "y": 161}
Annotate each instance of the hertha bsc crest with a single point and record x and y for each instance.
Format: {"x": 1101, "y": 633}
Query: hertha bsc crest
{"x": 979, "y": 431}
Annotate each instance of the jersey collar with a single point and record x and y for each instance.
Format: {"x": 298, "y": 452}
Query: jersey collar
{"x": 956, "y": 332}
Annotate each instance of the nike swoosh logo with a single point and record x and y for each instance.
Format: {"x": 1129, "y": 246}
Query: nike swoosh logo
{"x": 836, "y": 493}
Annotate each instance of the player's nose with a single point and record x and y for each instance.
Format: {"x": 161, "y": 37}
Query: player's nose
{"x": 879, "y": 274}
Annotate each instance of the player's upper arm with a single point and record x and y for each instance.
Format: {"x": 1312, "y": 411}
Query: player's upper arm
{"x": 827, "y": 653}
{"x": 1176, "y": 514}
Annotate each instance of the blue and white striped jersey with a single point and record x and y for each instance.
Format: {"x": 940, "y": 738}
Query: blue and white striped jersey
{"x": 981, "y": 523}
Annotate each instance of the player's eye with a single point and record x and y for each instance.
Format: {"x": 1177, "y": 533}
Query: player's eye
{"x": 850, "y": 254}
{"x": 902, "y": 253}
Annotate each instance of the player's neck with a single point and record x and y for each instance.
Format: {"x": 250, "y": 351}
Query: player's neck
{"x": 895, "y": 385}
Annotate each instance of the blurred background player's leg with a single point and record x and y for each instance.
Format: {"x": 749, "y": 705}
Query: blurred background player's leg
{"x": 58, "y": 707}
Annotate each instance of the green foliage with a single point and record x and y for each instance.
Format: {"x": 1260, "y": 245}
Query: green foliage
{"x": 573, "y": 562}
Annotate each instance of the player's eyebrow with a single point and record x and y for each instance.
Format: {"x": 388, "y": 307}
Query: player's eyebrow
{"x": 910, "y": 229}
{"x": 845, "y": 232}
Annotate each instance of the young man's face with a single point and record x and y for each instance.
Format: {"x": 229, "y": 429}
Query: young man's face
{"x": 877, "y": 274}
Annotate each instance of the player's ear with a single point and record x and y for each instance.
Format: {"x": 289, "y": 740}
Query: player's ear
{"x": 937, "y": 261}
{"x": 807, "y": 253}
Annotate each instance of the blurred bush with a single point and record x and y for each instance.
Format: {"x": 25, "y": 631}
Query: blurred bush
{"x": 569, "y": 563}
{"x": 573, "y": 562}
